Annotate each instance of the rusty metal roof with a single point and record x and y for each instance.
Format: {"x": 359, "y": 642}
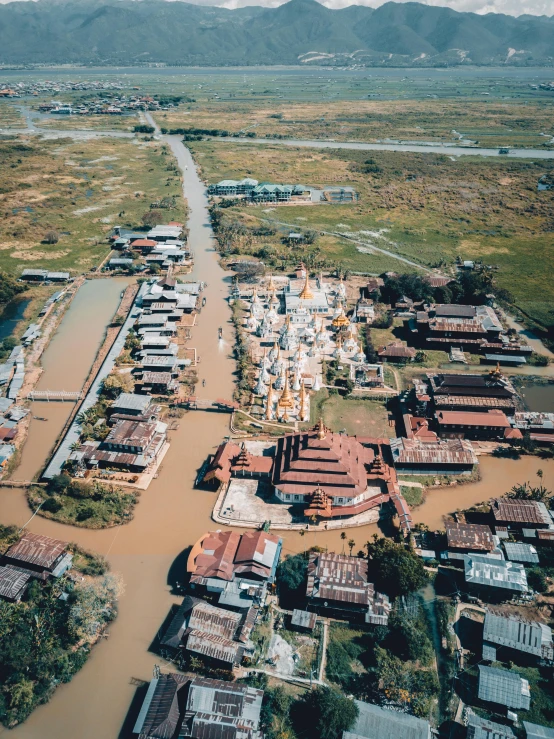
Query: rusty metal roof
{"x": 469, "y": 536}
{"x": 341, "y": 578}
{"x": 492, "y": 418}
{"x": 36, "y": 549}
{"x": 521, "y": 512}
{"x": 160, "y": 714}
{"x": 445, "y": 451}
{"x": 215, "y": 647}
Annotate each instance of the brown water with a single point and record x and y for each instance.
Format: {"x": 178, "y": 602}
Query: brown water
{"x": 171, "y": 516}
{"x": 66, "y": 363}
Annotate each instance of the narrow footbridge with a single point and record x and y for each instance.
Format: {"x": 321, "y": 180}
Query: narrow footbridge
{"x": 201, "y": 404}
{"x": 70, "y": 396}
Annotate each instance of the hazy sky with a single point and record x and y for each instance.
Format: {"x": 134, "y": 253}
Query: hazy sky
{"x": 511, "y": 7}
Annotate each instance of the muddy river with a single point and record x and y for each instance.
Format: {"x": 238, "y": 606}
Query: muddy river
{"x": 171, "y": 515}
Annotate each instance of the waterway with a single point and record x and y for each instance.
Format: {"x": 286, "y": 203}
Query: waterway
{"x": 11, "y": 315}
{"x": 66, "y": 363}
{"x": 171, "y": 515}
{"x": 423, "y": 148}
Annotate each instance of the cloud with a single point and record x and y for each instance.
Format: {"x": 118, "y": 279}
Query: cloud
{"x": 509, "y": 7}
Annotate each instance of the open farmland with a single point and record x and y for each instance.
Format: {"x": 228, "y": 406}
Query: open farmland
{"x": 76, "y": 190}
{"x": 424, "y": 207}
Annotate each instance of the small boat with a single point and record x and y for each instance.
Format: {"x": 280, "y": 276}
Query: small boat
{"x": 220, "y": 332}
{"x": 203, "y": 302}
{"x": 40, "y": 418}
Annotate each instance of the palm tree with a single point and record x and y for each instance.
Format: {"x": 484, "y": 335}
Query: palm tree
{"x": 540, "y": 474}
{"x": 351, "y": 545}
{"x": 343, "y": 537}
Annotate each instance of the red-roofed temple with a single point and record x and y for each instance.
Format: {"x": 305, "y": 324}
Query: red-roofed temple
{"x": 330, "y": 475}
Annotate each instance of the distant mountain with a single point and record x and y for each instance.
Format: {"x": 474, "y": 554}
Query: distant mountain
{"x": 298, "y": 32}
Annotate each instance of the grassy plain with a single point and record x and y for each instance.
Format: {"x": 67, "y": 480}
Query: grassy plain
{"x": 78, "y": 189}
{"x": 89, "y": 122}
{"x": 10, "y": 117}
{"x": 358, "y": 417}
{"x": 428, "y": 208}
{"x": 495, "y": 123}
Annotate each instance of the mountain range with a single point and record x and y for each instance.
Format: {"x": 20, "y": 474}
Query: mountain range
{"x": 132, "y": 32}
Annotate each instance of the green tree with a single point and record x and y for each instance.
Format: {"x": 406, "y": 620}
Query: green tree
{"x": 291, "y": 574}
{"x": 115, "y": 384}
{"x": 324, "y": 714}
{"x": 394, "y": 569}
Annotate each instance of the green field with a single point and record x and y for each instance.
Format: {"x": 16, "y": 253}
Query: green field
{"x": 77, "y": 190}
{"x": 424, "y": 207}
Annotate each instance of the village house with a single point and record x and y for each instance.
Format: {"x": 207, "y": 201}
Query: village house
{"x": 157, "y": 383}
{"x": 42, "y": 275}
{"x": 469, "y": 537}
{"x": 39, "y": 556}
{"x": 220, "y": 637}
{"x": 503, "y": 688}
{"x": 177, "y": 705}
{"x": 13, "y": 583}
{"x": 492, "y": 578}
{"x": 418, "y": 428}
{"x": 376, "y": 722}
{"x": 492, "y": 424}
{"x": 536, "y": 731}
{"x": 396, "y": 351}
{"x": 130, "y": 445}
{"x": 367, "y": 376}
{"x": 466, "y": 392}
{"x": 520, "y": 514}
{"x": 539, "y": 426}
{"x": 467, "y": 326}
{"x": 445, "y": 456}
{"x": 338, "y": 587}
{"x": 481, "y": 728}
{"x": 237, "y": 567}
{"x": 511, "y": 633}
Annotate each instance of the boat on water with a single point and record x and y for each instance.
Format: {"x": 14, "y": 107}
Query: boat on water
{"x": 40, "y": 418}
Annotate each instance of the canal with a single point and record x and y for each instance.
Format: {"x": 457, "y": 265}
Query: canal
{"x": 171, "y": 514}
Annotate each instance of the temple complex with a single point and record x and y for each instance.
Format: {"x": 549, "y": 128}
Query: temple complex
{"x": 293, "y": 326}
{"x": 317, "y": 475}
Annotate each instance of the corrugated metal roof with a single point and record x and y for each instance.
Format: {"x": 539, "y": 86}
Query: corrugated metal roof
{"x": 479, "y": 728}
{"x": 375, "y": 722}
{"x": 531, "y": 637}
{"x": 495, "y": 573}
{"x": 519, "y": 552}
{"x": 535, "y": 731}
{"x": 131, "y": 401}
{"x": 343, "y": 579}
{"x": 521, "y": 511}
{"x": 303, "y": 619}
{"x": 36, "y": 549}
{"x": 469, "y": 536}
{"x": 504, "y": 687}
{"x": 215, "y": 647}
{"x": 12, "y": 583}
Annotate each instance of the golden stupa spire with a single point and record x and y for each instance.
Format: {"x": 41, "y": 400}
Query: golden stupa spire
{"x": 341, "y": 320}
{"x": 306, "y": 293}
{"x": 321, "y": 430}
{"x": 302, "y": 411}
{"x": 270, "y": 284}
{"x": 286, "y": 400}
